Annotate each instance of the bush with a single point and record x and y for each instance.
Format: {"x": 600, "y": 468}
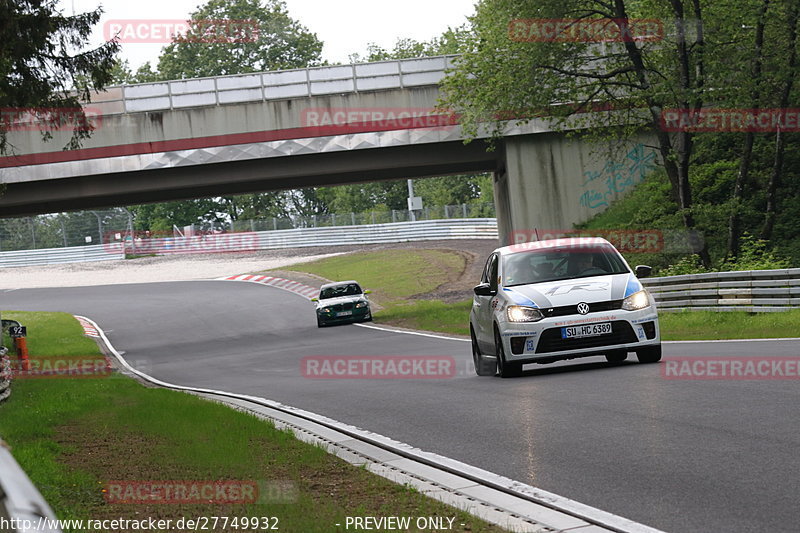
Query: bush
{"x": 754, "y": 255}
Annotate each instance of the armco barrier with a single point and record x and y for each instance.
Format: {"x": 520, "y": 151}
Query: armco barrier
{"x": 754, "y": 291}
{"x": 20, "y": 502}
{"x": 5, "y": 374}
{"x": 75, "y": 254}
{"x": 423, "y": 230}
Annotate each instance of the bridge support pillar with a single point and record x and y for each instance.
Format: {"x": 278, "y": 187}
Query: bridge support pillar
{"x": 552, "y": 183}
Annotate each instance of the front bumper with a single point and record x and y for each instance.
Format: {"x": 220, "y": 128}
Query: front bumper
{"x": 359, "y": 314}
{"x": 530, "y": 342}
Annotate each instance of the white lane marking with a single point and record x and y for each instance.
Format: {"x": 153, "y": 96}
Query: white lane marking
{"x": 734, "y": 340}
{"x": 412, "y": 332}
{"x": 435, "y": 336}
{"x": 542, "y": 497}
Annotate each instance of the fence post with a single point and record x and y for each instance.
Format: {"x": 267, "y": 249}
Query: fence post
{"x": 274, "y": 223}
{"x": 353, "y": 218}
{"x": 464, "y": 209}
{"x": 33, "y": 233}
{"x": 63, "y": 230}
{"x": 373, "y": 216}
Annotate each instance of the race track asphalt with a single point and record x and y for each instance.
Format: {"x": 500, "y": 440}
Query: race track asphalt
{"x": 679, "y": 455}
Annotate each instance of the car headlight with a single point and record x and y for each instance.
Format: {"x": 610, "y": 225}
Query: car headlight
{"x": 325, "y": 310}
{"x": 636, "y": 301}
{"x": 359, "y": 305}
{"x": 519, "y": 313}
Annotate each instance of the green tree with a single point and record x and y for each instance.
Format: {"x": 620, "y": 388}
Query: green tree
{"x": 504, "y": 73}
{"x": 452, "y": 41}
{"x": 44, "y": 64}
{"x": 278, "y": 42}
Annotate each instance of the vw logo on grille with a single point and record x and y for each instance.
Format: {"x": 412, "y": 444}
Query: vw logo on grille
{"x": 583, "y": 308}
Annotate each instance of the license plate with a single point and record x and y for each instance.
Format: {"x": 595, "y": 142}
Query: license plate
{"x": 344, "y": 313}
{"x": 589, "y": 330}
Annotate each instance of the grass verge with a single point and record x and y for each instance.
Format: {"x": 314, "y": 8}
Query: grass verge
{"x": 710, "y": 325}
{"x": 391, "y": 275}
{"x": 74, "y": 435}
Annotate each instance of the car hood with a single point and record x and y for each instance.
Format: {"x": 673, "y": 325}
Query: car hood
{"x": 575, "y": 290}
{"x": 340, "y": 300}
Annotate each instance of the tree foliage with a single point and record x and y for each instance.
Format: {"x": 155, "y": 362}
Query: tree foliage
{"x": 279, "y": 42}
{"x": 705, "y": 56}
{"x": 44, "y": 65}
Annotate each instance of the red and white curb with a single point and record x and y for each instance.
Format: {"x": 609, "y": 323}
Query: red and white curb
{"x": 89, "y": 328}
{"x": 306, "y": 291}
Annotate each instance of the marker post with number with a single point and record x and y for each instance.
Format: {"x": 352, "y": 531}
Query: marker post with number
{"x": 18, "y": 333}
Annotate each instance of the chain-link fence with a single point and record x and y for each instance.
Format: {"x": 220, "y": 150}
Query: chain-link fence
{"x": 80, "y": 228}
{"x": 477, "y": 210}
{"x": 63, "y": 229}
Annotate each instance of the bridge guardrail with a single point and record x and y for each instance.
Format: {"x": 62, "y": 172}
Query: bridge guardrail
{"x": 755, "y": 291}
{"x": 277, "y": 85}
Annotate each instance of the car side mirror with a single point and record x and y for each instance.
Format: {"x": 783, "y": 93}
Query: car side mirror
{"x": 314, "y": 299}
{"x": 367, "y": 291}
{"x": 484, "y": 289}
{"x": 642, "y": 271}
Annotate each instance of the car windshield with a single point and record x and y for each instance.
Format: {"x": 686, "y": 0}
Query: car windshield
{"x": 540, "y": 265}
{"x": 351, "y": 289}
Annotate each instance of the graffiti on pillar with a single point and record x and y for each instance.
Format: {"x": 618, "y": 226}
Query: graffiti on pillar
{"x": 601, "y": 186}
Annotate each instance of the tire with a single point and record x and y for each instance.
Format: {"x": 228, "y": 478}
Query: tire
{"x": 319, "y": 323}
{"x": 617, "y": 356}
{"x": 484, "y": 366}
{"x": 651, "y": 354}
{"x": 505, "y": 369}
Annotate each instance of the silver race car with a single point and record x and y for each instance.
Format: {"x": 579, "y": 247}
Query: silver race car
{"x": 546, "y": 301}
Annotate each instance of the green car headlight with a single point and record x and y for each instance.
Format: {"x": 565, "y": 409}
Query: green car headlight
{"x": 636, "y": 301}
{"x": 359, "y": 305}
{"x": 325, "y": 310}
{"x": 520, "y": 313}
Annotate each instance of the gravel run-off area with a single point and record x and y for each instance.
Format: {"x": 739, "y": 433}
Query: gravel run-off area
{"x": 184, "y": 267}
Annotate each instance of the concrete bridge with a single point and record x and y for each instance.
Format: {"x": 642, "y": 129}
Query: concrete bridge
{"x": 299, "y": 128}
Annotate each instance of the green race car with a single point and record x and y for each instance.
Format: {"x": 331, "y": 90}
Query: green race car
{"x": 341, "y": 302}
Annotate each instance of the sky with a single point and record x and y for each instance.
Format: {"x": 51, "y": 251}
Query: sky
{"x": 344, "y": 26}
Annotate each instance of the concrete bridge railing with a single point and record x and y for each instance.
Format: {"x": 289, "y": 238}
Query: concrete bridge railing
{"x": 264, "y": 86}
